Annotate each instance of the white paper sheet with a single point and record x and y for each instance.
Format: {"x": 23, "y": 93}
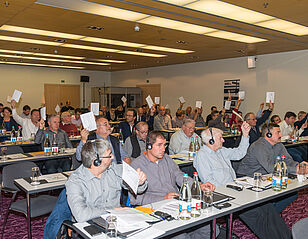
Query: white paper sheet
{"x": 241, "y": 95}
{"x": 237, "y": 115}
{"x": 182, "y": 100}
{"x": 123, "y": 99}
{"x": 43, "y": 113}
{"x": 227, "y": 104}
{"x": 131, "y": 177}
{"x": 270, "y": 97}
{"x": 57, "y": 109}
{"x": 88, "y": 121}
{"x": 199, "y": 104}
{"x": 167, "y": 106}
{"x": 149, "y": 101}
{"x": 9, "y": 99}
{"x": 156, "y": 100}
{"x": 95, "y": 108}
{"x": 16, "y": 95}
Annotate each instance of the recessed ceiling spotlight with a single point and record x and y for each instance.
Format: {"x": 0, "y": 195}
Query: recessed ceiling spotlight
{"x": 181, "y": 42}
{"x": 163, "y": 39}
{"x": 60, "y": 40}
{"x": 138, "y": 50}
{"x": 95, "y": 28}
{"x": 35, "y": 48}
{"x": 195, "y": 57}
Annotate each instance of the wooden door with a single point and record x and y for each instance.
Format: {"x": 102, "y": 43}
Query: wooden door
{"x": 149, "y": 89}
{"x": 58, "y": 93}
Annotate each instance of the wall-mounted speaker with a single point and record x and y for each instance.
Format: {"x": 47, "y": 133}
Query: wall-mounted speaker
{"x": 84, "y": 78}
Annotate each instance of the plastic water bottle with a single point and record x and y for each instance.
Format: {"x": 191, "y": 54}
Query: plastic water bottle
{"x": 13, "y": 135}
{"x": 276, "y": 178}
{"x": 47, "y": 146}
{"x": 197, "y": 145}
{"x": 191, "y": 152}
{"x": 54, "y": 146}
{"x": 19, "y": 137}
{"x": 121, "y": 138}
{"x": 185, "y": 200}
{"x": 195, "y": 197}
{"x": 284, "y": 172}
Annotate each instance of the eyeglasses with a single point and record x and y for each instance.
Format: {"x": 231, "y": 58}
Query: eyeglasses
{"x": 130, "y": 115}
{"x": 252, "y": 119}
{"x": 104, "y": 124}
{"x": 143, "y": 132}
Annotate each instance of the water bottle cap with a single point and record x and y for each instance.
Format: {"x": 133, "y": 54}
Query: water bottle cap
{"x": 196, "y": 173}
{"x": 278, "y": 157}
{"x": 283, "y": 156}
{"x": 185, "y": 175}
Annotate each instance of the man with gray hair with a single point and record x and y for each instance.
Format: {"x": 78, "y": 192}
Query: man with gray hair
{"x": 135, "y": 144}
{"x": 180, "y": 140}
{"x": 96, "y": 185}
{"x": 54, "y": 165}
{"x": 213, "y": 165}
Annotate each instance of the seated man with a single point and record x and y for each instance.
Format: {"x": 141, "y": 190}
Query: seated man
{"x": 255, "y": 123}
{"x": 209, "y": 117}
{"x": 286, "y": 126}
{"x": 76, "y": 120}
{"x": 54, "y": 165}
{"x": 162, "y": 121}
{"x": 103, "y": 131}
{"x": 135, "y": 144}
{"x": 29, "y": 125}
{"x": 188, "y": 113}
{"x": 67, "y": 107}
{"x": 127, "y": 126}
{"x": 216, "y": 121}
{"x": 140, "y": 115}
{"x": 275, "y": 119}
{"x": 177, "y": 121}
{"x": 164, "y": 178}
{"x": 302, "y": 119}
{"x": 67, "y": 125}
{"x": 213, "y": 165}
{"x": 198, "y": 118}
{"x": 180, "y": 140}
{"x": 26, "y": 112}
{"x": 96, "y": 185}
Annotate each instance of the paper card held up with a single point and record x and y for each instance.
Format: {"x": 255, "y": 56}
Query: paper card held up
{"x": 270, "y": 97}
{"x": 95, "y": 108}
{"x": 156, "y": 100}
{"x": 227, "y": 104}
{"x": 199, "y": 104}
{"x": 16, "y": 95}
{"x": 88, "y": 121}
{"x": 123, "y": 99}
{"x": 241, "y": 95}
{"x": 149, "y": 101}
{"x": 182, "y": 100}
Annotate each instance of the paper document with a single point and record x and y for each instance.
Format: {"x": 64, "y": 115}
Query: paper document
{"x": 95, "y": 108}
{"x": 156, "y": 100}
{"x": 199, "y": 104}
{"x": 43, "y": 113}
{"x": 57, "y": 109}
{"x": 88, "y": 121}
{"x": 241, "y": 95}
{"x": 248, "y": 182}
{"x": 237, "y": 115}
{"x": 182, "y": 100}
{"x": 227, "y": 105}
{"x": 53, "y": 177}
{"x": 270, "y": 96}
{"x": 123, "y": 99}
{"x": 131, "y": 177}
{"x": 16, "y": 95}
{"x": 171, "y": 208}
{"x": 149, "y": 101}
{"x": 9, "y": 99}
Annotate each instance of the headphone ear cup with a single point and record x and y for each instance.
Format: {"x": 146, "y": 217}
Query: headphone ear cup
{"x": 149, "y": 146}
{"x": 97, "y": 162}
{"x": 211, "y": 141}
{"x": 269, "y": 134}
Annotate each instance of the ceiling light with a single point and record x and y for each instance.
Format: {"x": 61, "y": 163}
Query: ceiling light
{"x": 228, "y": 10}
{"x": 44, "y": 65}
{"x": 141, "y": 53}
{"x": 100, "y": 9}
{"x": 159, "y": 48}
{"x": 111, "y": 61}
{"x": 234, "y": 36}
{"x": 27, "y": 40}
{"x": 112, "y": 42}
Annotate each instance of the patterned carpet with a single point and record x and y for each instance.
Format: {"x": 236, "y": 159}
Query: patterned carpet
{"x": 16, "y": 226}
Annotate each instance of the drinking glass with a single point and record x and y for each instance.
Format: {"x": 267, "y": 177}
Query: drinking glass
{"x": 301, "y": 174}
{"x": 207, "y": 201}
{"x": 3, "y": 153}
{"x": 112, "y": 226}
{"x": 32, "y": 136}
{"x": 257, "y": 178}
{"x": 35, "y": 176}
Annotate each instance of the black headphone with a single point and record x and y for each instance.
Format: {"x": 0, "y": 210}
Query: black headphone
{"x": 97, "y": 162}
{"x": 211, "y": 141}
{"x": 148, "y": 145}
{"x": 268, "y": 134}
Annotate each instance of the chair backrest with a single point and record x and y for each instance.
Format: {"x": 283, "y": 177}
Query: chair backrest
{"x": 15, "y": 171}
{"x": 75, "y": 163}
{"x": 14, "y": 149}
{"x": 300, "y": 229}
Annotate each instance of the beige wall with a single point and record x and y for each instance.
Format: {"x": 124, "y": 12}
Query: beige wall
{"x": 31, "y": 80}
{"x": 284, "y": 73}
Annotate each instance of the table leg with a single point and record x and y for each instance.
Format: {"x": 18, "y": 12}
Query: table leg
{"x": 29, "y": 216}
{"x": 214, "y": 228}
{"x": 229, "y": 226}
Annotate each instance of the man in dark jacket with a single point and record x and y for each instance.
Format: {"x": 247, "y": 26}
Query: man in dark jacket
{"x": 127, "y": 126}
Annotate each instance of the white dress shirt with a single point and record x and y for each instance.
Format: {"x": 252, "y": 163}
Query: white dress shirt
{"x": 286, "y": 130}
{"x": 28, "y": 127}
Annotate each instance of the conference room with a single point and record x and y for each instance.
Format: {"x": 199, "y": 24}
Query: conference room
{"x": 165, "y": 78}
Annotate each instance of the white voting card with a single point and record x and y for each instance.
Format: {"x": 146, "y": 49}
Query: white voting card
{"x": 198, "y": 104}
{"x": 167, "y": 106}
{"x": 156, "y": 100}
{"x": 57, "y": 109}
{"x": 270, "y": 97}
{"x": 16, "y": 95}
{"x": 227, "y": 104}
{"x": 88, "y": 121}
{"x": 131, "y": 177}
{"x": 182, "y": 100}
{"x": 9, "y": 99}
{"x": 43, "y": 113}
{"x": 149, "y": 101}
{"x": 241, "y": 95}
{"x": 123, "y": 99}
{"x": 237, "y": 115}
{"x": 95, "y": 108}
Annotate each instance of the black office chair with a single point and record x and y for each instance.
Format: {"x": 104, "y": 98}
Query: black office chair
{"x": 300, "y": 229}
{"x": 40, "y": 205}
